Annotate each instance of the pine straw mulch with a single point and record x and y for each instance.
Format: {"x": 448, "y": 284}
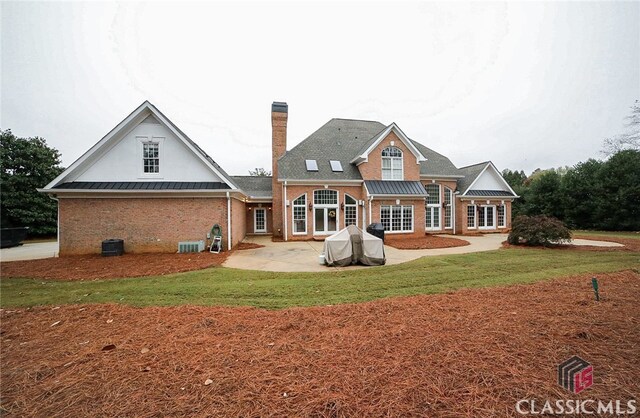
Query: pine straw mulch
{"x": 427, "y": 242}
{"x": 95, "y": 266}
{"x": 472, "y": 353}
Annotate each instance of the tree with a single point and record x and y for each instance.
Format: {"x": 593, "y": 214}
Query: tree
{"x": 543, "y": 195}
{"x": 25, "y": 165}
{"x": 582, "y": 191}
{"x": 618, "y": 208}
{"x": 260, "y": 172}
{"x": 516, "y": 180}
{"x": 630, "y": 139}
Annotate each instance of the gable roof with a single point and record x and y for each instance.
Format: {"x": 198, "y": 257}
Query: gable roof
{"x": 255, "y": 186}
{"x": 369, "y": 146}
{"x": 473, "y": 172}
{"x": 436, "y": 164}
{"x": 339, "y": 140}
{"x": 134, "y": 118}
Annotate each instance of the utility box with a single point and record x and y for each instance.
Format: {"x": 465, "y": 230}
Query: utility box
{"x": 111, "y": 247}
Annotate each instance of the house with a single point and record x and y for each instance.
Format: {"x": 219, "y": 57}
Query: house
{"x": 148, "y": 183}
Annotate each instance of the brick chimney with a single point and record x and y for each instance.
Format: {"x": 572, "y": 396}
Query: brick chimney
{"x": 279, "y": 114}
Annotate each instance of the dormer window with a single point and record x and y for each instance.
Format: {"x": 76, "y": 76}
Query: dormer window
{"x": 392, "y": 164}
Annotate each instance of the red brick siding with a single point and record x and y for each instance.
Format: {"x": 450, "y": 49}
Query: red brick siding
{"x": 461, "y": 216}
{"x": 238, "y": 222}
{"x": 372, "y": 169}
{"x": 250, "y": 214}
{"x": 278, "y": 148}
{"x": 146, "y": 225}
{"x": 418, "y": 214}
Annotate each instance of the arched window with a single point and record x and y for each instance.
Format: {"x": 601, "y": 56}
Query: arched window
{"x": 392, "y": 164}
{"x": 350, "y": 211}
{"x": 299, "y": 209}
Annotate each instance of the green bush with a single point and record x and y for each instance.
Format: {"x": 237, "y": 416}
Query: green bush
{"x": 538, "y": 230}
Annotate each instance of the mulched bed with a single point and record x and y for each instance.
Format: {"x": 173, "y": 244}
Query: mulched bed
{"x": 630, "y": 244}
{"x": 426, "y": 242}
{"x": 88, "y": 267}
{"x": 472, "y": 353}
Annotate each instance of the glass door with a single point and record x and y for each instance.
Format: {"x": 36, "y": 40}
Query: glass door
{"x": 260, "y": 220}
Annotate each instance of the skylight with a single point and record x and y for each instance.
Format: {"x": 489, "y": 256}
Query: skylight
{"x": 335, "y": 165}
{"x": 312, "y": 165}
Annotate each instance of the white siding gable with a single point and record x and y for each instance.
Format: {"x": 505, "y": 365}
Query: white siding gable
{"x": 490, "y": 180}
{"x": 122, "y": 161}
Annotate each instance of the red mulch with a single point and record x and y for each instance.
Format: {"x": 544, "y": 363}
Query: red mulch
{"x": 247, "y": 246}
{"x": 426, "y": 242}
{"x": 630, "y": 244}
{"x": 88, "y": 267}
{"x": 472, "y": 353}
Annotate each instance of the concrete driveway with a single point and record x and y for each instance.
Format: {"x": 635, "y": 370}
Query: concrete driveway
{"x": 30, "y": 251}
{"x": 303, "y": 255}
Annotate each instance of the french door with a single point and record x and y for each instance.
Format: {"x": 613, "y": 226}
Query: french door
{"x": 325, "y": 220}
{"x": 433, "y": 218}
{"x": 260, "y": 220}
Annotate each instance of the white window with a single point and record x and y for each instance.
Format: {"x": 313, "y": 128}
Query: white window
{"x": 312, "y": 165}
{"x": 486, "y": 217}
{"x": 432, "y": 207}
{"x": 392, "y": 164}
{"x": 471, "y": 216}
{"x": 335, "y": 165}
{"x": 501, "y": 217}
{"x": 299, "y": 209}
{"x": 397, "y": 218}
{"x": 325, "y": 211}
{"x": 150, "y": 157}
{"x": 350, "y": 211}
{"x": 448, "y": 194}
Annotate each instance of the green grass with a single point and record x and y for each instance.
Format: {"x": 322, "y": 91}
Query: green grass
{"x": 231, "y": 287}
{"x": 611, "y": 234}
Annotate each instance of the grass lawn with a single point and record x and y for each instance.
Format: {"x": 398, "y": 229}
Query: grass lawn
{"x": 610, "y": 234}
{"x": 231, "y": 287}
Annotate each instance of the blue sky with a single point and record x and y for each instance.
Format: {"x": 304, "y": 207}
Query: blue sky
{"x": 525, "y": 85}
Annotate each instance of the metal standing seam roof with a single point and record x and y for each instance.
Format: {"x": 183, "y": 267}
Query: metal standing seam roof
{"x": 143, "y": 185}
{"x": 394, "y": 187}
{"x": 489, "y": 193}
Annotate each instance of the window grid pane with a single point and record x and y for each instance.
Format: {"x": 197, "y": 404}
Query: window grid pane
{"x": 433, "y": 190}
{"x": 300, "y": 214}
{"x": 447, "y": 208}
{"x": 397, "y": 218}
{"x": 501, "y": 218}
{"x": 325, "y": 197}
{"x": 471, "y": 216}
{"x": 385, "y": 217}
{"x": 151, "y": 157}
{"x": 392, "y": 164}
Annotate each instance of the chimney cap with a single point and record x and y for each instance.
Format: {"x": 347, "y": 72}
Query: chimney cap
{"x": 280, "y": 107}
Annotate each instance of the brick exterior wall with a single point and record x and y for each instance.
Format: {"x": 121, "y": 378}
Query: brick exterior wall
{"x": 249, "y": 218}
{"x": 278, "y": 148}
{"x": 238, "y": 222}
{"x": 145, "y": 225}
{"x": 461, "y": 216}
{"x": 418, "y": 215}
{"x": 372, "y": 169}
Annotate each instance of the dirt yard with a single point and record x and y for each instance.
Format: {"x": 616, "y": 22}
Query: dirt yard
{"x": 471, "y": 353}
{"x": 427, "y": 242}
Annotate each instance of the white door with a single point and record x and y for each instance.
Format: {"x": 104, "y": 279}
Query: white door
{"x": 260, "y": 220}
{"x": 325, "y": 220}
{"x": 487, "y": 217}
{"x": 433, "y": 218}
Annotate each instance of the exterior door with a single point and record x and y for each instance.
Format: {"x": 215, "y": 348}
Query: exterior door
{"x": 487, "y": 217}
{"x": 433, "y": 218}
{"x": 260, "y": 220}
{"x": 325, "y": 220}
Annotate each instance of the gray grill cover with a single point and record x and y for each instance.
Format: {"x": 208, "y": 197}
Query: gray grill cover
{"x": 352, "y": 245}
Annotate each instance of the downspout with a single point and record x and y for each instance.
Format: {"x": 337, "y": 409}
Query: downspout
{"x": 370, "y": 217}
{"x": 453, "y": 210}
{"x": 229, "y": 220}
{"x": 57, "y": 220}
{"x": 284, "y": 211}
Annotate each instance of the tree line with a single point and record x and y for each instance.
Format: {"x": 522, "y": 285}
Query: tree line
{"x": 591, "y": 195}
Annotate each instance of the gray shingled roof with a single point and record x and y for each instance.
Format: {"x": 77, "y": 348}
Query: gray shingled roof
{"x": 470, "y": 173}
{"x": 413, "y": 188}
{"x": 255, "y": 186}
{"x": 143, "y": 185}
{"x": 436, "y": 164}
{"x": 338, "y": 139}
{"x": 197, "y": 147}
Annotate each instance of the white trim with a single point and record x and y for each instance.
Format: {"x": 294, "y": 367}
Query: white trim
{"x": 321, "y": 182}
{"x": 440, "y": 177}
{"x": 401, "y": 231}
{"x": 495, "y": 221}
{"x": 141, "y": 141}
{"x": 306, "y": 216}
{"x": 135, "y": 117}
{"x": 349, "y": 205}
{"x": 475, "y": 216}
{"x": 489, "y": 164}
{"x": 364, "y": 157}
{"x": 391, "y": 168}
{"x": 228, "y": 221}
{"x": 327, "y": 208}
{"x": 255, "y": 220}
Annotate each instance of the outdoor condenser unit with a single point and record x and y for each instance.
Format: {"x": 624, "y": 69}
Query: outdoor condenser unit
{"x": 190, "y": 246}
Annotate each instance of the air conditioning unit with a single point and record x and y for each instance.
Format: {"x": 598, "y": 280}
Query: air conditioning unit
{"x": 190, "y": 246}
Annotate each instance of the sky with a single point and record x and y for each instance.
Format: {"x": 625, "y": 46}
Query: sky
{"x": 524, "y": 84}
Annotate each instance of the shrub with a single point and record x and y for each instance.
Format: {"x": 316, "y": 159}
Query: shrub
{"x": 538, "y": 230}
